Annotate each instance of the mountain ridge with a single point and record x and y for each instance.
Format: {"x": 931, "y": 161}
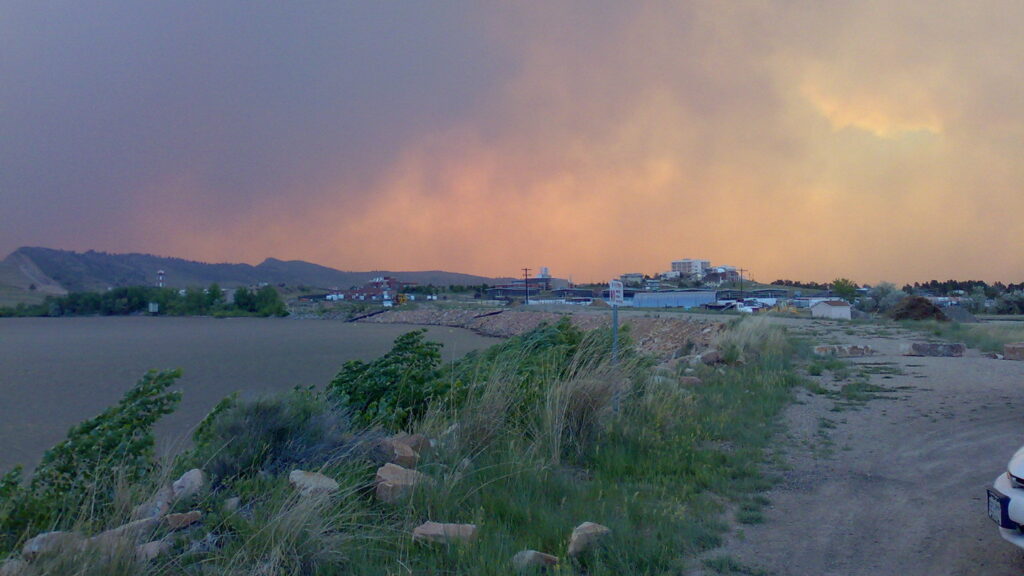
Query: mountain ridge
{"x": 54, "y": 271}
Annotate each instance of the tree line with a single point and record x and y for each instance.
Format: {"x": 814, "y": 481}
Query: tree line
{"x": 192, "y": 301}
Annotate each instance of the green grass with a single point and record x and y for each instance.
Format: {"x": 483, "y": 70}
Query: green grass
{"x": 534, "y": 454}
{"x": 987, "y": 337}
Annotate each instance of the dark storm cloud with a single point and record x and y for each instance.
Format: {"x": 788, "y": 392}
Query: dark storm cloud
{"x": 863, "y": 138}
{"x": 107, "y": 108}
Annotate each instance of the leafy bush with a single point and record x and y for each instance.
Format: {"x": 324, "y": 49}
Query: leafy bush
{"x": 238, "y": 439}
{"x": 113, "y": 448}
{"x": 395, "y": 388}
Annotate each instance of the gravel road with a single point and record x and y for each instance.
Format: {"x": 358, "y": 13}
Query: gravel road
{"x": 897, "y": 484}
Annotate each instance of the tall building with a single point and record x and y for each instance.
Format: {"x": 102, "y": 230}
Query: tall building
{"x": 690, "y": 267}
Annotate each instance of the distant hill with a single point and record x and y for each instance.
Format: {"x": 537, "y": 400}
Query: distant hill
{"x": 56, "y": 271}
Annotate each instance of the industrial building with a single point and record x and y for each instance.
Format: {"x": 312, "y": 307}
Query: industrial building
{"x": 673, "y": 299}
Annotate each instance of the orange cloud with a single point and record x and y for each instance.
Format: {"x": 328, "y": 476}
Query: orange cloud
{"x": 689, "y": 130}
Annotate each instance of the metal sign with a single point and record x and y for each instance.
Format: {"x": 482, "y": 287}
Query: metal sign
{"x": 616, "y": 296}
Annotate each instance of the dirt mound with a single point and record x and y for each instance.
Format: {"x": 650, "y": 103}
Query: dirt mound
{"x": 958, "y": 314}
{"x": 917, "y": 308}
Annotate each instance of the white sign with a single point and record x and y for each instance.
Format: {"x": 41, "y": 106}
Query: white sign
{"x": 615, "y": 294}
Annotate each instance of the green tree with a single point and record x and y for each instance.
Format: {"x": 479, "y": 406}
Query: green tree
{"x": 268, "y": 302}
{"x": 245, "y": 300}
{"x": 395, "y": 388}
{"x": 845, "y": 289}
{"x": 214, "y": 297}
{"x": 195, "y": 301}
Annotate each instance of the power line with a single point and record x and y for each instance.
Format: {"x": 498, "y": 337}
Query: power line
{"x": 526, "y": 282}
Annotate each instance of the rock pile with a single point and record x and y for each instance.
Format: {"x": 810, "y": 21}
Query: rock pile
{"x": 938, "y": 349}
{"x": 146, "y": 519}
{"x": 843, "y": 350}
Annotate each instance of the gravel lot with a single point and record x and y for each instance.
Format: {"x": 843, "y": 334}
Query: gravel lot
{"x": 897, "y": 485}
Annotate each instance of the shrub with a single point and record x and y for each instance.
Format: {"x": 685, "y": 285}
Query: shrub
{"x": 395, "y": 388}
{"x": 239, "y": 439}
{"x": 113, "y": 448}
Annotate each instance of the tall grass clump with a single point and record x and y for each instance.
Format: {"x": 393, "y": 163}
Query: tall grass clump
{"x": 988, "y": 336}
{"x": 754, "y": 339}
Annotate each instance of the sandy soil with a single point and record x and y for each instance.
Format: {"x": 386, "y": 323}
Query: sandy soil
{"x": 56, "y": 372}
{"x": 897, "y": 486}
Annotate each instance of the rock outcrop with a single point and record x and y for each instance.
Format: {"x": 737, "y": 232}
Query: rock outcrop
{"x": 437, "y": 533}
{"x": 395, "y": 482}
{"x": 309, "y": 483}
{"x": 189, "y": 484}
{"x": 532, "y": 560}
{"x": 1013, "y": 351}
{"x": 586, "y": 536}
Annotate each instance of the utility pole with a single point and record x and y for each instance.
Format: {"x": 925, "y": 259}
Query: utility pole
{"x": 526, "y": 282}
{"x": 742, "y": 270}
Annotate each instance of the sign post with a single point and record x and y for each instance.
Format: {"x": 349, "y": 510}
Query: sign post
{"x": 615, "y": 298}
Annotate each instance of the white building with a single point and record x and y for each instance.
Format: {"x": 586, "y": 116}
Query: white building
{"x": 835, "y": 309}
{"x": 632, "y": 278}
{"x": 690, "y": 267}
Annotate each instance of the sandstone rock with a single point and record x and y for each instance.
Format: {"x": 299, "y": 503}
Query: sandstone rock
{"x": 404, "y": 455}
{"x": 395, "y": 482}
{"x": 130, "y": 532}
{"x": 1013, "y": 351}
{"x": 50, "y": 542}
{"x": 152, "y": 550}
{"x": 711, "y": 357}
{"x": 939, "y": 349}
{"x": 155, "y": 507}
{"x": 437, "y": 533}
{"x": 189, "y": 484}
{"x": 13, "y": 567}
{"x": 690, "y": 381}
{"x": 528, "y": 560}
{"x": 843, "y": 351}
{"x": 418, "y": 442}
{"x": 232, "y": 504}
{"x": 586, "y": 536}
{"x": 312, "y": 482}
{"x": 993, "y": 355}
{"x": 184, "y": 520}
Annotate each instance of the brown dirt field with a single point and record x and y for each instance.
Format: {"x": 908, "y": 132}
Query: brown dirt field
{"x": 897, "y": 485}
{"x": 56, "y": 372}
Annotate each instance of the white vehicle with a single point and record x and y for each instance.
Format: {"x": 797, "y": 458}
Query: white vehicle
{"x": 1006, "y": 501}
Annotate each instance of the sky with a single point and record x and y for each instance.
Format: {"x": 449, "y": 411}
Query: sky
{"x": 805, "y": 140}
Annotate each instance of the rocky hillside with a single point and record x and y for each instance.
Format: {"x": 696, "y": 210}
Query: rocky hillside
{"x": 64, "y": 270}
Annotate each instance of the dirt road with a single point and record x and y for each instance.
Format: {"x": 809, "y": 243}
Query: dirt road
{"x": 897, "y": 484}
